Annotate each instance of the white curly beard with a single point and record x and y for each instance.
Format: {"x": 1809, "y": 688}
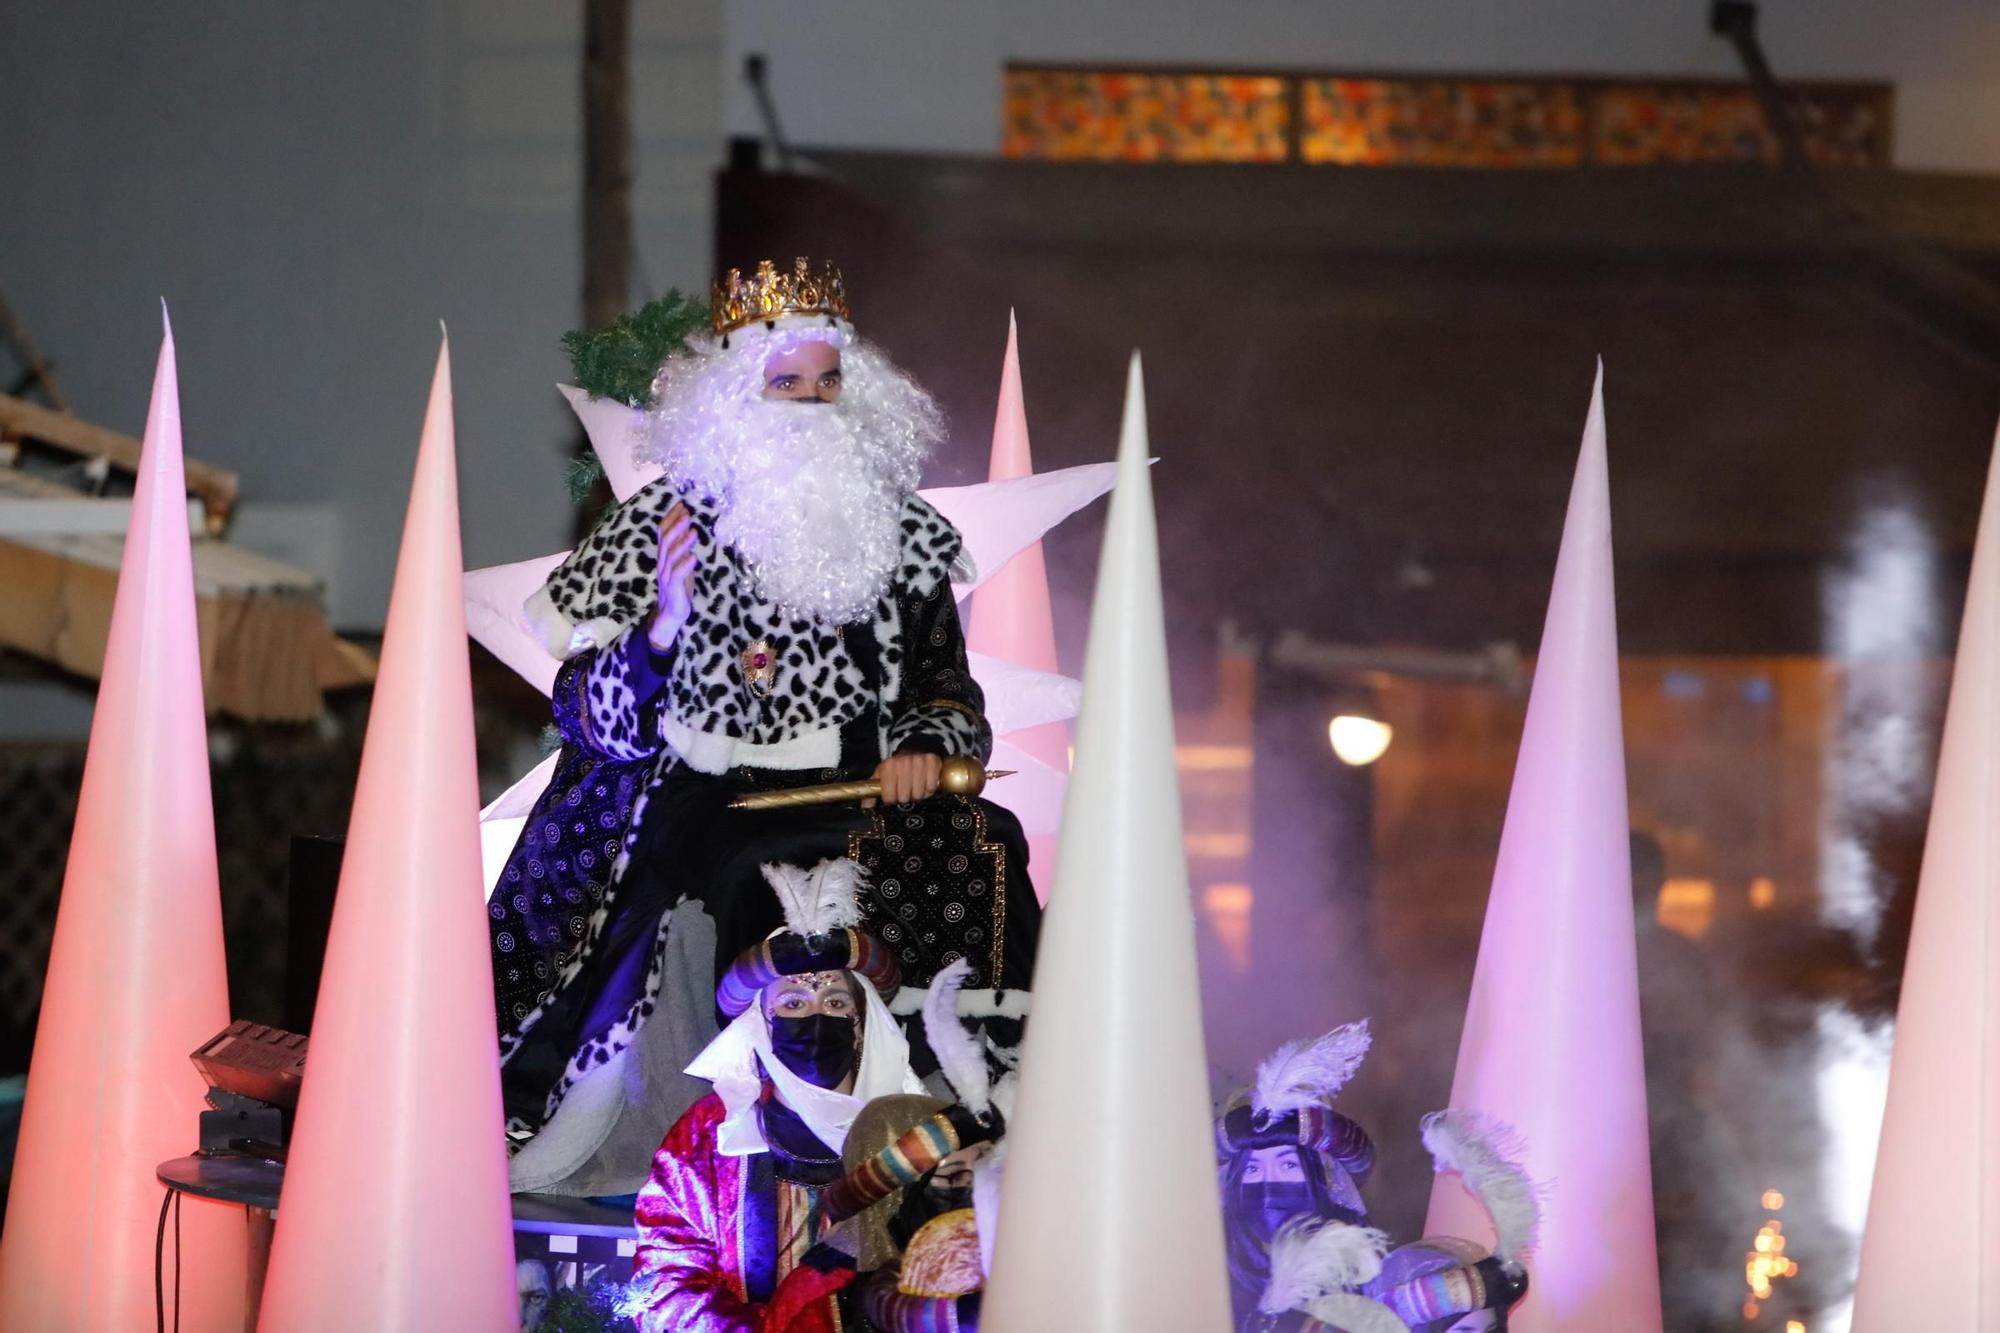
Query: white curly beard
{"x": 810, "y": 495}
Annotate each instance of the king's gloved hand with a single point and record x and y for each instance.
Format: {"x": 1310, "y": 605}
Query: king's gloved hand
{"x": 674, "y": 577}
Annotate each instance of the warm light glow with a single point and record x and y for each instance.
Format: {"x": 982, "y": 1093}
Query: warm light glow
{"x": 1763, "y": 892}
{"x": 1773, "y": 1201}
{"x": 1192, "y": 758}
{"x": 1766, "y": 1262}
{"x": 1232, "y": 898}
{"x": 1217, "y": 846}
{"x": 1227, "y": 907}
{"x": 1358, "y": 741}
{"x": 1795, "y": 1326}
{"x": 1687, "y": 906}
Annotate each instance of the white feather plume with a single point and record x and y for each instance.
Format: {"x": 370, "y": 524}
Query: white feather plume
{"x": 1004, "y": 1089}
{"x": 817, "y": 901}
{"x": 1486, "y": 1153}
{"x": 1311, "y": 1258}
{"x": 960, "y": 1054}
{"x": 1351, "y": 1312}
{"x": 1301, "y": 1073}
{"x": 987, "y": 1175}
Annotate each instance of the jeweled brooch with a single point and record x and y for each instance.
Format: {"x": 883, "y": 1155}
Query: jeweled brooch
{"x": 760, "y": 667}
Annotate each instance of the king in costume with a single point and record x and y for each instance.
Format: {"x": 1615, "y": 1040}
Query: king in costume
{"x": 775, "y": 611}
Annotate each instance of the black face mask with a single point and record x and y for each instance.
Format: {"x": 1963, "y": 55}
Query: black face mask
{"x": 819, "y": 1048}
{"x": 1267, "y": 1206}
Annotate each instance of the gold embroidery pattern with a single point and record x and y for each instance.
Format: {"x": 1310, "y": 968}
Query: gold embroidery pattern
{"x": 980, "y": 844}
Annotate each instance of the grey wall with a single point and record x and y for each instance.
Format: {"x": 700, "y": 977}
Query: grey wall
{"x": 925, "y": 74}
{"x": 312, "y": 188}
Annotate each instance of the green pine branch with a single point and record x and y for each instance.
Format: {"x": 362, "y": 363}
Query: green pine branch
{"x": 620, "y": 359}
{"x": 584, "y": 472}
{"x": 573, "y": 1311}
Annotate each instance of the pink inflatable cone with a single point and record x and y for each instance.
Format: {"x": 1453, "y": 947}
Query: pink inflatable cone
{"x": 395, "y": 1212}
{"x": 1551, "y": 1042}
{"x": 1109, "y": 1216}
{"x": 1010, "y": 617}
{"x": 1930, "y": 1257}
{"x": 136, "y": 977}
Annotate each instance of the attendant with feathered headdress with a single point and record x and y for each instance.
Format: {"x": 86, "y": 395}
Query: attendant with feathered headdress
{"x": 1285, "y": 1152}
{"x": 730, "y": 1218}
{"x": 1302, "y": 1258}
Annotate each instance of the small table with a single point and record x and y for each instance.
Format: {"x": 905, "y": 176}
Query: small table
{"x": 252, "y": 1182}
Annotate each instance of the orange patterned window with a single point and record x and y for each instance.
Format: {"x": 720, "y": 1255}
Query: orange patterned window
{"x": 1642, "y": 126}
{"x": 1147, "y": 117}
{"x": 1070, "y": 114}
{"x": 1442, "y": 122}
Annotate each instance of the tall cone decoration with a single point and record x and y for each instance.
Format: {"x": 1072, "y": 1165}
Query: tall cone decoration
{"x": 1551, "y": 1041}
{"x": 1109, "y": 1216}
{"x": 1930, "y": 1257}
{"x": 1010, "y": 616}
{"x": 136, "y": 978}
{"x": 395, "y": 1213}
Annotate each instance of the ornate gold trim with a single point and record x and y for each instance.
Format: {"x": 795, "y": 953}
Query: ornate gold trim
{"x": 999, "y": 850}
{"x": 957, "y": 705}
{"x": 874, "y": 830}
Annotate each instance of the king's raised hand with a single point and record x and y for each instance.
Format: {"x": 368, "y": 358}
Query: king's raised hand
{"x": 676, "y": 578}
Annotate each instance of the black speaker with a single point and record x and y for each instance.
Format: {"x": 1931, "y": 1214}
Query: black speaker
{"x": 253, "y": 1074}
{"x": 252, "y": 1060}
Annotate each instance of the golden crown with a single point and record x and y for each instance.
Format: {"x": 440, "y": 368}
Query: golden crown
{"x": 770, "y": 294}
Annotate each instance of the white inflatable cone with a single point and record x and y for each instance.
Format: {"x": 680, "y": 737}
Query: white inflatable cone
{"x": 1930, "y": 1256}
{"x": 1110, "y": 1219}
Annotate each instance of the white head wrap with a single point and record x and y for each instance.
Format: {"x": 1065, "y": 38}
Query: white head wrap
{"x": 731, "y": 1062}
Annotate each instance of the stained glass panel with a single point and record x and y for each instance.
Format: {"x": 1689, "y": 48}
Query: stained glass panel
{"x": 1644, "y": 125}
{"x": 1147, "y": 117}
{"x": 1441, "y": 122}
{"x": 1409, "y": 121}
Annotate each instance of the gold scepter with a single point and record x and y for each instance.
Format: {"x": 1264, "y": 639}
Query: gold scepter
{"x": 958, "y": 775}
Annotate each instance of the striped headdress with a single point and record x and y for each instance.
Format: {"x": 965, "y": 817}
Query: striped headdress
{"x": 1292, "y": 1102}
{"x": 822, "y": 934}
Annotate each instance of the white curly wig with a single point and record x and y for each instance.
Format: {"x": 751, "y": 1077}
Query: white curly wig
{"x": 809, "y": 496}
